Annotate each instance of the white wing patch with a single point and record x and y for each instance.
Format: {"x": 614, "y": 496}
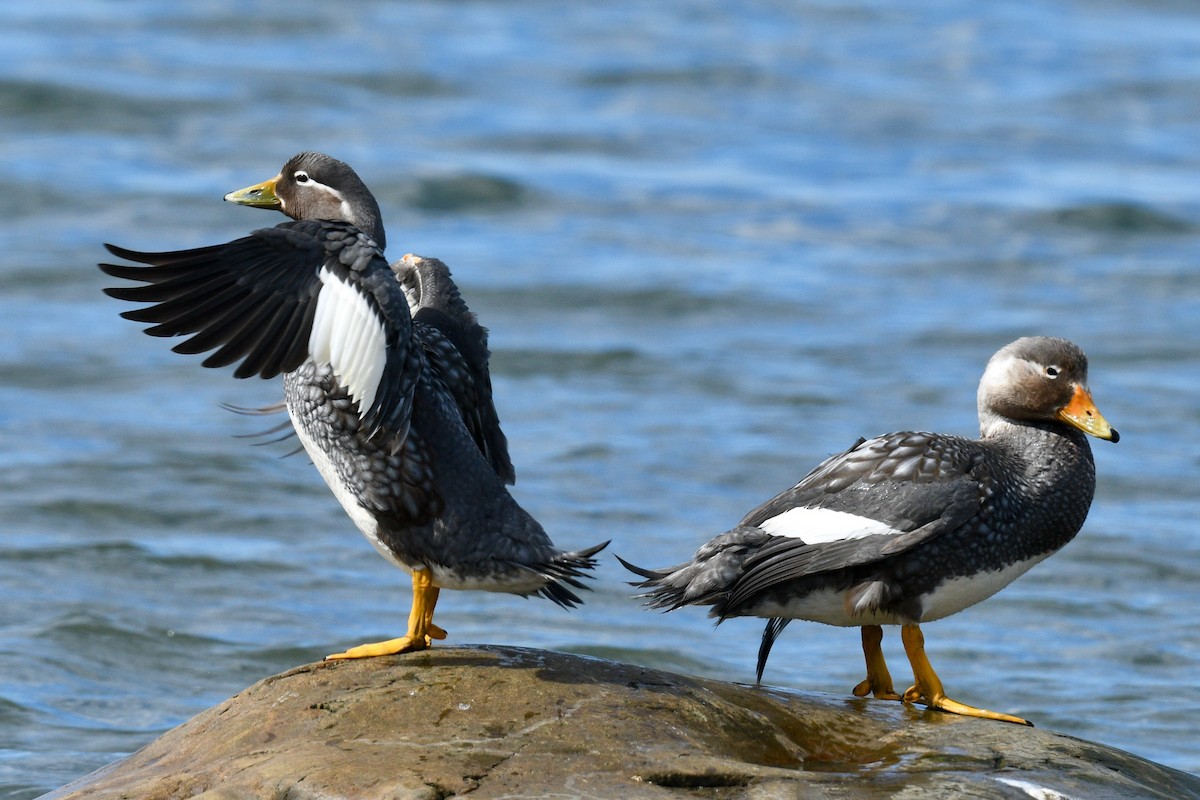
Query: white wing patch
{"x": 822, "y": 525}
{"x": 347, "y": 335}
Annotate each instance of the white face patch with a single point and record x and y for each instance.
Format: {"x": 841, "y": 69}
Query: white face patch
{"x": 347, "y": 335}
{"x": 822, "y": 525}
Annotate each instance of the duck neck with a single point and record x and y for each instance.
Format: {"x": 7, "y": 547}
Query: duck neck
{"x": 1050, "y": 451}
{"x": 366, "y": 218}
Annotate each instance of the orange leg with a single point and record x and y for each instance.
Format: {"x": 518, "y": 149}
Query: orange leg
{"x": 928, "y": 689}
{"x": 421, "y": 630}
{"x": 879, "y": 680}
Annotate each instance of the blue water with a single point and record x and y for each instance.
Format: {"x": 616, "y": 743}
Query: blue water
{"x": 713, "y": 242}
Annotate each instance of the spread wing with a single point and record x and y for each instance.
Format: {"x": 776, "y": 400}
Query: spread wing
{"x": 303, "y": 289}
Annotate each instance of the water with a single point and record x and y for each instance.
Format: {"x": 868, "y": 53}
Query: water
{"x": 714, "y": 243}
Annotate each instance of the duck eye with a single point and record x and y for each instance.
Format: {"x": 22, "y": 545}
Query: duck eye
{"x": 301, "y": 176}
{"x": 1052, "y": 372}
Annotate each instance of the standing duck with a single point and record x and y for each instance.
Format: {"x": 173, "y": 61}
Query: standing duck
{"x": 908, "y": 528}
{"x": 385, "y": 375}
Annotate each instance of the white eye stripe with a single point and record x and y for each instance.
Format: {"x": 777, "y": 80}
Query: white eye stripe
{"x": 302, "y": 177}
{"x": 310, "y": 184}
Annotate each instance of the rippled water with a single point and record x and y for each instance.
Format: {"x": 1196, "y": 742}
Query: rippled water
{"x": 714, "y": 243}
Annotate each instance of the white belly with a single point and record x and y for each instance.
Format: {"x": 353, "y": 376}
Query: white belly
{"x": 363, "y": 519}
{"x": 833, "y": 607}
{"x": 958, "y": 593}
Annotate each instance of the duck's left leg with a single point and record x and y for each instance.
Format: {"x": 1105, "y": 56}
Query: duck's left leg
{"x": 928, "y": 689}
{"x": 421, "y": 630}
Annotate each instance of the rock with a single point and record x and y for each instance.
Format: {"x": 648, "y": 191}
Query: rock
{"x": 509, "y": 722}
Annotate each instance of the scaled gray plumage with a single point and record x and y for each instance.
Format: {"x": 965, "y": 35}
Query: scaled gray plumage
{"x": 911, "y": 527}
{"x": 385, "y": 379}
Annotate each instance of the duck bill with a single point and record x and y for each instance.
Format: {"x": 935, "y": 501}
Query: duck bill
{"x": 260, "y": 195}
{"x": 1082, "y": 413}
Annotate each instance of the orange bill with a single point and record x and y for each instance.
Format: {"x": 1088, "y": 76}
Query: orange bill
{"x": 1082, "y": 413}
{"x": 260, "y": 195}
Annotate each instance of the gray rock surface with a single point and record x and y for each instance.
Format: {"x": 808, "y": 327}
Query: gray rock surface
{"x": 508, "y": 722}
